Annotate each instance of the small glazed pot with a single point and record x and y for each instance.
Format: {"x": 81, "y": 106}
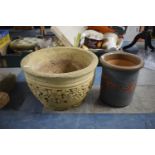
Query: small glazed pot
{"x": 119, "y": 77}
{"x": 60, "y": 77}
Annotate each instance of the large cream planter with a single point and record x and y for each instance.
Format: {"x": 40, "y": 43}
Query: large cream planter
{"x": 60, "y": 77}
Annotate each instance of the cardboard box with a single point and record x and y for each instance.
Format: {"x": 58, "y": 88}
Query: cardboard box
{"x": 68, "y": 34}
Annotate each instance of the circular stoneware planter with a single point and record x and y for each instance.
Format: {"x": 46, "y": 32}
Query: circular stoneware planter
{"x": 119, "y": 77}
{"x": 60, "y": 77}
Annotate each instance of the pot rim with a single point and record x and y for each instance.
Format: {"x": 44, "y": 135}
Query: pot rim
{"x": 122, "y": 68}
{"x": 77, "y": 73}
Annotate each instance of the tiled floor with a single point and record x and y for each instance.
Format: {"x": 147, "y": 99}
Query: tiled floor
{"x": 143, "y": 100}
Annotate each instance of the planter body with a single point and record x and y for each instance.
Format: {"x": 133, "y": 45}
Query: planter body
{"x": 64, "y": 90}
{"x": 118, "y": 84}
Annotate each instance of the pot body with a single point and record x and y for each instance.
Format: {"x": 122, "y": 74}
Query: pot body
{"x": 118, "y": 82}
{"x": 117, "y": 87}
{"x": 59, "y": 93}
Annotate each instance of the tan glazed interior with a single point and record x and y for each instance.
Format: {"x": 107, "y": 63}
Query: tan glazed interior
{"x": 121, "y": 60}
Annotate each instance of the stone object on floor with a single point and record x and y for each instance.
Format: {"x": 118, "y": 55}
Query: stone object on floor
{"x": 4, "y": 99}
{"x": 7, "y": 82}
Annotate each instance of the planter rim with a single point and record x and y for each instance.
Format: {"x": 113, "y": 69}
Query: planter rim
{"x": 122, "y": 68}
{"x": 73, "y": 74}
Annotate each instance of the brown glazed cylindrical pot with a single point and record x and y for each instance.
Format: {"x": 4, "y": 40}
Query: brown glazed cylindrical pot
{"x": 119, "y": 77}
